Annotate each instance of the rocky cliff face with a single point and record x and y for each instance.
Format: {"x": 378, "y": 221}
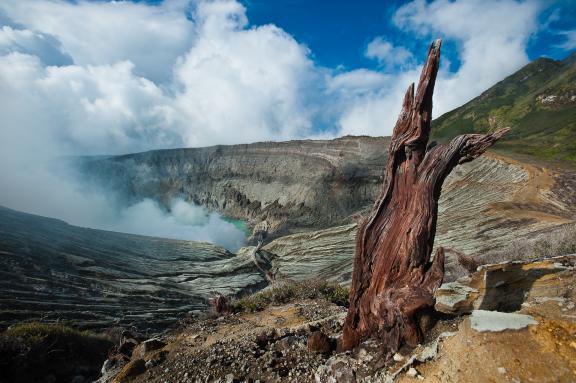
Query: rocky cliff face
{"x": 485, "y": 205}
{"x": 293, "y": 186}
{"x": 301, "y": 186}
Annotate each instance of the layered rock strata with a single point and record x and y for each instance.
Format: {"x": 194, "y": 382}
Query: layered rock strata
{"x": 50, "y": 270}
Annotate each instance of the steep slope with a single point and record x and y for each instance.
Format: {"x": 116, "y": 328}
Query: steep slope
{"x": 293, "y": 185}
{"x": 300, "y": 186}
{"x": 52, "y": 270}
{"x": 538, "y": 102}
{"x": 485, "y": 205}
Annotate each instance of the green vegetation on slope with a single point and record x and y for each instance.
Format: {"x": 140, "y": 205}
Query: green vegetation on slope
{"x": 538, "y": 102}
{"x": 290, "y": 291}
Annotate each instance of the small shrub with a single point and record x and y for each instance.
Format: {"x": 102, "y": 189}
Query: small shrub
{"x": 337, "y": 294}
{"x": 291, "y": 291}
{"x": 35, "y": 333}
{"x": 32, "y": 351}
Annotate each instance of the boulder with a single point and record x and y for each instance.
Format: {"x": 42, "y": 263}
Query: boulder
{"x": 146, "y": 347}
{"x": 132, "y": 369}
{"x": 506, "y": 286}
{"x": 320, "y": 342}
{"x": 482, "y": 320}
{"x": 337, "y": 369}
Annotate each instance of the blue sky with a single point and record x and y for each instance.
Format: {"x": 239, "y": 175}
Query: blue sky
{"x": 337, "y": 31}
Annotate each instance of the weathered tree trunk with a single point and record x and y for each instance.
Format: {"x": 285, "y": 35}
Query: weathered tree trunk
{"x": 393, "y": 279}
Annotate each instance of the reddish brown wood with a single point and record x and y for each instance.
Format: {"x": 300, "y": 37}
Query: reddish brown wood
{"x": 393, "y": 279}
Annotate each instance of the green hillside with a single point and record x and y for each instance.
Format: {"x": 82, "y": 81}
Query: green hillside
{"x": 538, "y": 102}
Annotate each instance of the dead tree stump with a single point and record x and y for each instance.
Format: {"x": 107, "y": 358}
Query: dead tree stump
{"x": 394, "y": 280}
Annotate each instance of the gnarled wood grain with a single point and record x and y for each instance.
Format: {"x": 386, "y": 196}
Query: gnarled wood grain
{"x": 393, "y": 279}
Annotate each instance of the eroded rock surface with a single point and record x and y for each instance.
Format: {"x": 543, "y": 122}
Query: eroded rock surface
{"x": 484, "y": 320}
{"x": 308, "y": 185}
{"x": 522, "y": 326}
{"x": 324, "y": 254}
{"x": 506, "y": 286}
{"x": 543, "y": 351}
{"x": 51, "y": 270}
{"x": 485, "y": 205}
{"x": 292, "y": 185}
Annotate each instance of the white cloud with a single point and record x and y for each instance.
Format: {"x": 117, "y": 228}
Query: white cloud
{"x": 103, "y": 33}
{"x": 60, "y": 110}
{"x": 248, "y": 82}
{"x": 387, "y": 54}
{"x": 147, "y": 77}
{"x": 357, "y": 82}
{"x": 570, "y": 42}
{"x": 375, "y": 111}
{"x": 491, "y": 36}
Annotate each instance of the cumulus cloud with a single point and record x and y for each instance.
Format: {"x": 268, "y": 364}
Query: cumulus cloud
{"x": 252, "y": 83}
{"x": 81, "y": 109}
{"x": 387, "y": 54}
{"x": 570, "y": 42}
{"x": 142, "y": 77}
{"x": 492, "y": 44}
{"x": 104, "y": 33}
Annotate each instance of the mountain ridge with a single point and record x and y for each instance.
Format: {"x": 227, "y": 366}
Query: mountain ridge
{"x": 538, "y": 102}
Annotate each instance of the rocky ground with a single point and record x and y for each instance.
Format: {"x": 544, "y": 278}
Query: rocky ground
{"x": 509, "y": 322}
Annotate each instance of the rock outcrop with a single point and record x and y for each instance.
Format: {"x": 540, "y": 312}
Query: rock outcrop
{"x": 521, "y": 328}
{"x": 507, "y": 286}
{"x": 324, "y": 254}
